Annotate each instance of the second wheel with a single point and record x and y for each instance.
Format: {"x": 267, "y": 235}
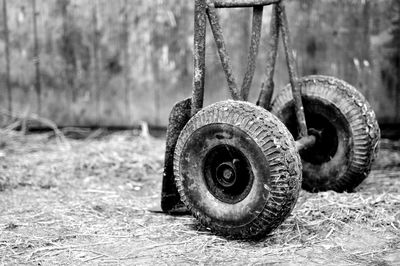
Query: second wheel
{"x": 345, "y": 127}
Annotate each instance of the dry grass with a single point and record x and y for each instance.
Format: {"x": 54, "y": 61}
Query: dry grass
{"x": 88, "y": 201}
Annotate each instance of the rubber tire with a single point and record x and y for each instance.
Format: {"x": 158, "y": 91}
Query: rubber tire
{"x": 271, "y": 197}
{"x": 354, "y": 119}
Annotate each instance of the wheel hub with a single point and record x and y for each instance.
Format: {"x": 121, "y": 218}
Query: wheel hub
{"x": 321, "y": 124}
{"x": 227, "y": 173}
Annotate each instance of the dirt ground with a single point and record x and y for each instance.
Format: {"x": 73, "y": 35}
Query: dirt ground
{"x": 87, "y": 202}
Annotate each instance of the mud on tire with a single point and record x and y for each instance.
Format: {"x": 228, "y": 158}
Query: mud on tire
{"x": 346, "y": 126}
{"x": 237, "y": 170}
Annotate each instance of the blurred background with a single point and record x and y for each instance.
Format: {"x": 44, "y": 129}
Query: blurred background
{"x": 116, "y": 63}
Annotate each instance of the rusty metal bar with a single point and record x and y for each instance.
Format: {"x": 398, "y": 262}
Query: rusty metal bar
{"x": 267, "y": 87}
{"x": 223, "y": 53}
{"x": 305, "y": 142}
{"x": 242, "y": 3}
{"x": 301, "y": 120}
{"x": 253, "y": 51}
{"x": 199, "y": 55}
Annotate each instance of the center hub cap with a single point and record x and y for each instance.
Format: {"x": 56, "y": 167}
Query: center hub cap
{"x": 226, "y": 174}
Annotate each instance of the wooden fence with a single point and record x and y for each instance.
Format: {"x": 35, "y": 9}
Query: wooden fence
{"x": 116, "y": 63}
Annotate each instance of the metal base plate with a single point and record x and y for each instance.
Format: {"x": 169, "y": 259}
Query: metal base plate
{"x": 170, "y": 199}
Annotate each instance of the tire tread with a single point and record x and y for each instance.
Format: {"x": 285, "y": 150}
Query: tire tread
{"x": 278, "y": 147}
{"x": 360, "y": 116}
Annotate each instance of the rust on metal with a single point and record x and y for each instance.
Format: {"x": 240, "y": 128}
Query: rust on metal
{"x": 253, "y": 51}
{"x": 184, "y": 110}
{"x": 267, "y": 87}
{"x": 199, "y": 55}
{"x": 292, "y": 72}
{"x": 242, "y": 3}
{"x": 223, "y": 53}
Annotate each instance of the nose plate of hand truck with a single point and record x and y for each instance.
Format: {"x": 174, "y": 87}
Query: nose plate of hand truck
{"x": 179, "y": 116}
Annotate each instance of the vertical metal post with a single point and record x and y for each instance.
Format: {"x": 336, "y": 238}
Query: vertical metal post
{"x": 267, "y": 87}
{"x": 223, "y": 53}
{"x": 301, "y": 120}
{"x": 199, "y": 54}
{"x": 253, "y": 51}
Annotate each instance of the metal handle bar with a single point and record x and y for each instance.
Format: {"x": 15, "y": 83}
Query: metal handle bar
{"x": 242, "y": 3}
{"x": 206, "y": 8}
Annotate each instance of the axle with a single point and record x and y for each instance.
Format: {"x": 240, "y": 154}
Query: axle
{"x": 305, "y": 142}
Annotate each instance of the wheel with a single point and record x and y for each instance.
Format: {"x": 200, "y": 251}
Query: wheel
{"x": 346, "y": 129}
{"x": 237, "y": 170}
